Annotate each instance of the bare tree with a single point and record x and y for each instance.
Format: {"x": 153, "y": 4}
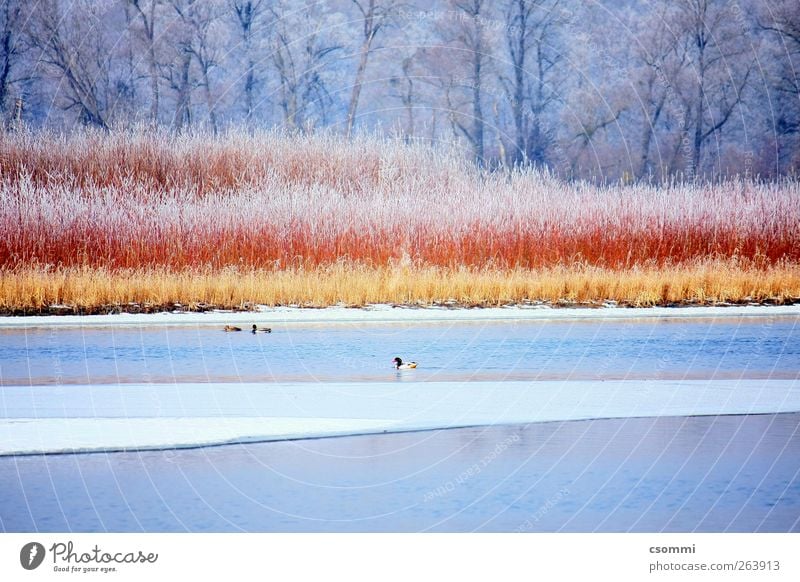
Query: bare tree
{"x": 782, "y": 20}
{"x": 657, "y": 60}
{"x": 718, "y": 72}
{"x": 71, "y": 44}
{"x": 468, "y": 46}
{"x": 250, "y": 17}
{"x": 199, "y": 19}
{"x": 587, "y": 123}
{"x": 417, "y": 67}
{"x": 11, "y": 48}
{"x": 175, "y": 69}
{"x": 591, "y": 127}
{"x": 532, "y": 39}
{"x": 147, "y": 11}
{"x": 301, "y": 54}
{"x": 404, "y": 88}
{"x": 375, "y": 15}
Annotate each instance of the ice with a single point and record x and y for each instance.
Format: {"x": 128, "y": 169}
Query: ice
{"x": 162, "y": 416}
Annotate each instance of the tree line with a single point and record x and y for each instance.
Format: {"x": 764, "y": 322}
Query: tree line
{"x": 611, "y": 90}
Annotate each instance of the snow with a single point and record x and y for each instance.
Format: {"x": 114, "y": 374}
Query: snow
{"x": 163, "y": 416}
{"x": 389, "y": 314}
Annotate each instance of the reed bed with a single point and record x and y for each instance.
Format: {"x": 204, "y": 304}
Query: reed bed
{"x": 96, "y": 219}
{"x": 90, "y": 290}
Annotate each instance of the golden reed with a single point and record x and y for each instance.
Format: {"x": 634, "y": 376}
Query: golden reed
{"x": 92, "y": 290}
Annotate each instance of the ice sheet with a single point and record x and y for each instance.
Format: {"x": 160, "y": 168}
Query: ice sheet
{"x": 146, "y": 416}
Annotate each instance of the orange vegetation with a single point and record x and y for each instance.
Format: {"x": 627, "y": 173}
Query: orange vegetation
{"x": 102, "y": 219}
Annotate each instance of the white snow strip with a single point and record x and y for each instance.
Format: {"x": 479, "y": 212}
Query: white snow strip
{"x": 390, "y": 314}
{"x": 147, "y": 416}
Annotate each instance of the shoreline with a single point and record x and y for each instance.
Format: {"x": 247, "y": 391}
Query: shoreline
{"x": 244, "y": 441}
{"x": 386, "y": 313}
{"x": 137, "y": 309}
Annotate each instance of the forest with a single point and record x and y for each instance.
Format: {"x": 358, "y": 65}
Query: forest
{"x": 607, "y": 91}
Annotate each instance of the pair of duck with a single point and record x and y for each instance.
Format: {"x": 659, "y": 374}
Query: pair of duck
{"x": 255, "y": 329}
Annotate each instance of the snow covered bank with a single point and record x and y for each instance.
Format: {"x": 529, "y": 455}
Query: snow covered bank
{"x": 388, "y": 314}
{"x": 152, "y": 416}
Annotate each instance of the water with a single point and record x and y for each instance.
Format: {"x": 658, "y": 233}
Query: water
{"x": 712, "y": 348}
{"x": 714, "y": 473}
{"x": 732, "y": 473}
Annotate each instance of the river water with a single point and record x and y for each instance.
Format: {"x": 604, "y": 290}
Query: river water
{"x": 698, "y": 348}
{"x": 671, "y": 473}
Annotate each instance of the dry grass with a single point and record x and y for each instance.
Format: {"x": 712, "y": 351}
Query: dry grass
{"x": 84, "y": 290}
{"x": 96, "y": 219}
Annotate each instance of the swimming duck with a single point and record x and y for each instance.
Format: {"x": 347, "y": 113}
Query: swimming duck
{"x": 398, "y": 363}
{"x": 231, "y": 328}
{"x": 256, "y": 329}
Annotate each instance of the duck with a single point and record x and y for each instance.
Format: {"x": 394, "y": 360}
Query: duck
{"x": 398, "y": 363}
{"x": 231, "y": 328}
{"x": 256, "y": 329}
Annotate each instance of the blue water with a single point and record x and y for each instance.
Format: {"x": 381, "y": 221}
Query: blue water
{"x": 713, "y": 348}
{"x": 734, "y": 473}
{"x": 717, "y": 474}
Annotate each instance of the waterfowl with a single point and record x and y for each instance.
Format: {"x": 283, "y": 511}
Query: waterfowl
{"x": 231, "y": 328}
{"x": 257, "y": 329}
{"x": 398, "y": 363}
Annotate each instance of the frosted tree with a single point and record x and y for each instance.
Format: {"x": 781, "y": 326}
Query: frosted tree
{"x": 404, "y": 86}
{"x": 374, "y": 16}
{"x": 461, "y": 66}
{"x": 781, "y": 21}
{"x": 718, "y": 68}
{"x": 306, "y": 37}
{"x": 12, "y": 18}
{"x": 656, "y": 60}
{"x": 251, "y": 22}
{"x": 595, "y": 95}
{"x": 630, "y": 66}
{"x": 533, "y": 37}
{"x": 411, "y": 98}
{"x": 200, "y": 20}
{"x": 147, "y": 14}
{"x": 73, "y": 43}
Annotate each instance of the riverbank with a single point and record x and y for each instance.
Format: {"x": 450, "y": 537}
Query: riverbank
{"x": 391, "y": 314}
